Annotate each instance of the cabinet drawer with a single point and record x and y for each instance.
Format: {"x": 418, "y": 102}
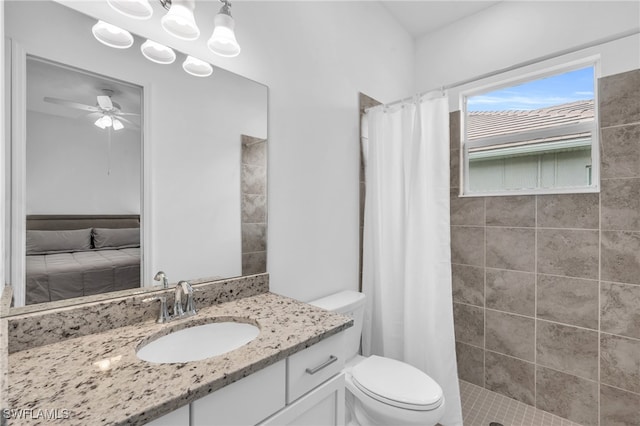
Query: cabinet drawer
{"x": 314, "y": 365}
{"x": 245, "y": 402}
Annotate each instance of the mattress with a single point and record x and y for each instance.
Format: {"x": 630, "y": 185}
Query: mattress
{"x": 51, "y": 277}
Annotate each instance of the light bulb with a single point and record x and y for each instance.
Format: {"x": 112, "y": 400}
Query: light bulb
{"x": 136, "y": 9}
{"x": 157, "y": 52}
{"x": 197, "y": 67}
{"x": 179, "y": 21}
{"x": 223, "y": 40}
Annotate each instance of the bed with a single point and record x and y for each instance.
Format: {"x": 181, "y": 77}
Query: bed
{"x": 80, "y": 255}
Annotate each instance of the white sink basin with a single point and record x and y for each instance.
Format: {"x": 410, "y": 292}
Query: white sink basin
{"x": 198, "y": 343}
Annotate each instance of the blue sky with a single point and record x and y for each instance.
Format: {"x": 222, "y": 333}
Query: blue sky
{"x": 558, "y": 89}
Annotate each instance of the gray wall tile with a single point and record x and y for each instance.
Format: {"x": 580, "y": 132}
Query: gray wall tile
{"x": 620, "y": 204}
{"x": 511, "y": 291}
{"x": 254, "y": 237}
{"x": 467, "y": 245}
{"x": 470, "y": 363}
{"x": 454, "y": 169}
{"x": 514, "y": 211}
{"x": 254, "y": 151}
{"x": 568, "y": 349}
{"x": 620, "y": 362}
{"x": 618, "y": 408}
{"x": 511, "y": 248}
{"x": 254, "y": 208}
{"x": 572, "y": 253}
{"x": 620, "y": 257}
{"x": 466, "y": 210}
{"x": 619, "y": 98}
{"x": 510, "y": 377}
{"x": 567, "y": 396}
{"x": 620, "y": 152}
{"x": 469, "y": 324}
{"x": 254, "y": 179}
{"x": 568, "y": 211}
{"x": 468, "y": 284}
{"x": 254, "y": 263}
{"x": 510, "y": 334}
{"x": 454, "y": 130}
{"x": 568, "y": 300}
{"x": 620, "y": 309}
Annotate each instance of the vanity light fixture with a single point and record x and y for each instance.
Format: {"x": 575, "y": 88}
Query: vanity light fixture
{"x": 179, "y": 21}
{"x": 197, "y": 67}
{"x": 158, "y": 53}
{"x": 223, "y": 40}
{"x": 112, "y": 36}
{"x": 136, "y": 9}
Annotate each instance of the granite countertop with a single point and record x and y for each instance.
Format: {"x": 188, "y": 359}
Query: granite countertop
{"x": 99, "y": 379}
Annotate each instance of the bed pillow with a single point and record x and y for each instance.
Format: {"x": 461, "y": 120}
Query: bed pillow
{"x": 116, "y": 238}
{"x": 46, "y": 242}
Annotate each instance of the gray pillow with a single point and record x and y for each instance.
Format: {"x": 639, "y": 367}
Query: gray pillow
{"x": 45, "y": 242}
{"x": 116, "y": 238}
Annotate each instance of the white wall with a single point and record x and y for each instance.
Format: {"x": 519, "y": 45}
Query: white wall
{"x": 68, "y": 164}
{"x": 192, "y": 139}
{"x": 315, "y": 56}
{"x": 513, "y": 32}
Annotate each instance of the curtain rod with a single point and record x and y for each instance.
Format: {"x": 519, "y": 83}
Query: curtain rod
{"x": 554, "y": 55}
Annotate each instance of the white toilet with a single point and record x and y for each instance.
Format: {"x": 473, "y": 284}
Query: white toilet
{"x": 382, "y": 391}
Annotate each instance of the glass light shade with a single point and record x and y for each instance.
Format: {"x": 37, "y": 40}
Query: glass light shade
{"x": 197, "y": 67}
{"x": 136, "y": 9}
{"x": 117, "y": 124}
{"x": 179, "y": 21}
{"x": 112, "y": 36}
{"x": 157, "y": 52}
{"x": 223, "y": 40}
{"x": 104, "y": 122}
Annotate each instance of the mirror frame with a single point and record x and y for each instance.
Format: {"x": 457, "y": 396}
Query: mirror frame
{"x": 18, "y": 110}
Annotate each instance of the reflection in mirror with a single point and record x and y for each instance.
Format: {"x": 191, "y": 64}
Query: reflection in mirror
{"x": 83, "y": 161}
{"x": 202, "y": 210}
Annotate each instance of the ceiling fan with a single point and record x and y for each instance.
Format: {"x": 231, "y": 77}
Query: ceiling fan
{"x": 108, "y": 114}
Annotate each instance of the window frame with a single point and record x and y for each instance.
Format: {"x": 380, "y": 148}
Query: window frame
{"x": 565, "y": 129}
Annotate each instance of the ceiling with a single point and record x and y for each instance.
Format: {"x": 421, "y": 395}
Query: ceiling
{"x": 422, "y": 17}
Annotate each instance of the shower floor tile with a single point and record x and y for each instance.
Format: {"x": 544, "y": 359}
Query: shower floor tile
{"x": 481, "y": 406}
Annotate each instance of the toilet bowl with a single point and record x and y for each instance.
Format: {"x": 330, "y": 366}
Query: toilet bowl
{"x": 382, "y": 391}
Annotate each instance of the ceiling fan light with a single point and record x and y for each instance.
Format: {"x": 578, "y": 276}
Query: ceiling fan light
{"x": 158, "y": 53}
{"x": 112, "y": 36}
{"x": 197, "y": 67}
{"x": 180, "y": 22}
{"x": 117, "y": 124}
{"x": 223, "y": 40}
{"x": 104, "y": 122}
{"x": 136, "y": 9}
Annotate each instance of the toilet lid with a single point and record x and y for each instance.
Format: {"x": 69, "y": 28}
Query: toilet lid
{"x": 397, "y": 383}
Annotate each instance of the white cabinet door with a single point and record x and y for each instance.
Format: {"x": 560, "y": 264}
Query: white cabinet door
{"x": 323, "y": 406}
{"x": 245, "y": 402}
{"x": 179, "y": 417}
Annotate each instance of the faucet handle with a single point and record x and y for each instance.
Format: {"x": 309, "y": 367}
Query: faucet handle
{"x": 163, "y": 316}
{"x": 187, "y": 289}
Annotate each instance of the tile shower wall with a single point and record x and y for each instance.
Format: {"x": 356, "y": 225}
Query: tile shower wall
{"x": 254, "y": 205}
{"x": 546, "y": 288}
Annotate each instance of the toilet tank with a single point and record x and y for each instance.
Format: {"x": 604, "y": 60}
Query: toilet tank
{"x": 350, "y": 303}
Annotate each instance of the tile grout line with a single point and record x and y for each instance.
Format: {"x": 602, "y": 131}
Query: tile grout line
{"x": 535, "y": 308}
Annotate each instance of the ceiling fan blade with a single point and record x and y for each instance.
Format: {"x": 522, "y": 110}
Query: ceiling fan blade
{"x": 71, "y": 104}
{"x": 94, "y": 115}
{"x": 129, "y": 122}
{"x": 105, "y": 102}
{"x": 127, "y": 113}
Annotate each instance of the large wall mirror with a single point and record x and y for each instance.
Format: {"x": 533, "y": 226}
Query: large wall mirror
{"x": 167, "y": 166}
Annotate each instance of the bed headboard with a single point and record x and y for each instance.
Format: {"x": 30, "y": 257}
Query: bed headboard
{"x": 58, "y": 222}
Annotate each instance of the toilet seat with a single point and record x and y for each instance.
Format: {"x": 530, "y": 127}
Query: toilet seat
{"x": 397, "y": 384}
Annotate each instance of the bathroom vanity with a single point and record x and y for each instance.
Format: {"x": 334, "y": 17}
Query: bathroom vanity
{"x": 288, "y": 374}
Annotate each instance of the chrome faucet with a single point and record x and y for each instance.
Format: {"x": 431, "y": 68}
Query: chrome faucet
{"x": 181, "y": 308}
{"x": 162, "y": 276}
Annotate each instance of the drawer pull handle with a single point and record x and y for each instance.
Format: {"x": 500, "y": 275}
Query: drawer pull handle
{"x": 327, "y": 363}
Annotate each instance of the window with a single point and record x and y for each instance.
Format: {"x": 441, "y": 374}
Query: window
{"x": 533, "y": 136}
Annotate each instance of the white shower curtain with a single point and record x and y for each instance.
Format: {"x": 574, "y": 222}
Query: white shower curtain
{"x": 406, "y": 250}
